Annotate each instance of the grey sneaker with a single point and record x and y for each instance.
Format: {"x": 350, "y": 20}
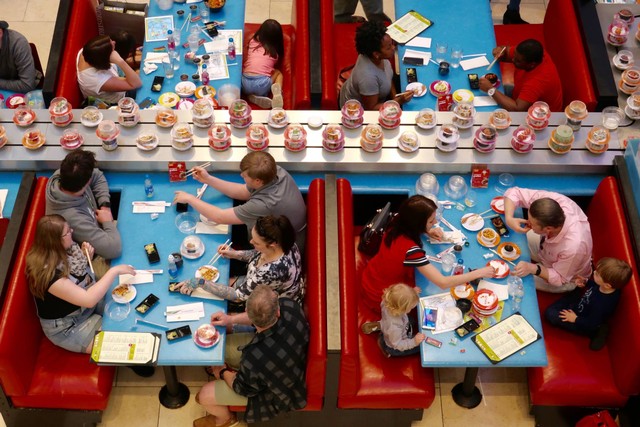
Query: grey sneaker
{"x": 276, "y": 91}
{"x": 370, "y": 327}
{"x": 261, "y": 101}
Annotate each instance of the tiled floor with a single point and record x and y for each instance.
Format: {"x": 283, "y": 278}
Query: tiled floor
{"x": 134, "y": 401}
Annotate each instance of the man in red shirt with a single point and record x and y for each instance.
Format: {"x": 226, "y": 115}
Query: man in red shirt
{"x": 535, "y": 78}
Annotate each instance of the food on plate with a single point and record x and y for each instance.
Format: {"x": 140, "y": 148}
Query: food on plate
{"x": 169, "y": 98}
{"x": 464, "y": 110}
{"x": 256, "y": 132}
{"x": 333, "y": 133}
{"x": 166, "y": 118}
{"x": 220, "y": 132}
{"x": 185, "y": 88}
{"x": 90, "y": 116}
{"x": 182, "y": 131}
{"x": 23, "y": 116}
{"x": 32, "y": 138}
{"x": 277, "y": 116}
{"x": 488, "y": 133}
{"x": 409, "y": 139}
{"x": 426, "y": 118}
{"x": 16, "y": 100}
{"x": 60, "y": 106}
{"x": 208, "y": 272}
{"x": 419, "y": 89}
{"x": 441, "y": 86}
{"x": 206, "y": 332}
{"x": 352, "y": 107}
{"x": 488, "y": 235}
{"x": 448, "y": 130}
{"x": 121, "y": 291}
{"x": 493, "y": 78}
{"x": 147, "y": 140}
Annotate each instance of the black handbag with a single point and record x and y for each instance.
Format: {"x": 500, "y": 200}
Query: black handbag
{"x": 371, "y": 234}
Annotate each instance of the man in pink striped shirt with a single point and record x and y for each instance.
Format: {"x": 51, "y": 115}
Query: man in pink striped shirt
{"x": 559, "y": 238}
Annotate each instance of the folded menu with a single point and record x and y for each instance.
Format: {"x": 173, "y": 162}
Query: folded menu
{"x": 506, "y": 338}
{"x": 125, "y": 348}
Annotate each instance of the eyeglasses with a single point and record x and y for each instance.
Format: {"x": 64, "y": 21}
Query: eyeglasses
{"x": 68, "y": 232}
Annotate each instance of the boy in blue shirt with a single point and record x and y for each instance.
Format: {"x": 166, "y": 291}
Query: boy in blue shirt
{"x": 586, "y": 311}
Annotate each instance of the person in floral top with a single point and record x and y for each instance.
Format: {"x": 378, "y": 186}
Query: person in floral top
{"x": 275, "y": 262}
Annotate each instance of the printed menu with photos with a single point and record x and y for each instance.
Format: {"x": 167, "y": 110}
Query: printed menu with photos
{"x": 125, "y": 348}
{"x": 408, "y": 26}
{"x": 505, "y": 338}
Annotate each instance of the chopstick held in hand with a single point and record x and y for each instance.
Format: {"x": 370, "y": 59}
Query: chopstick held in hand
{"x": 86, "y": 251}
{"x": 496, "y": 58}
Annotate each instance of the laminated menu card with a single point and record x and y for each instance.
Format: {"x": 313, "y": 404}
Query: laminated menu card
{"x": 125, "y": 348}
{"x": 505, "y": 338}
{"x": 408, "y": 26}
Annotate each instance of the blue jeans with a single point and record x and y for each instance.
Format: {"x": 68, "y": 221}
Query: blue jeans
{"x": 75, "y": 331}
{"x": 397, "y": 353}
{"x": 256, "y": 85}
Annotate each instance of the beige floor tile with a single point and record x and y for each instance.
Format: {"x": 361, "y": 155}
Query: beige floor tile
{"x": 432, "y": 416}
{"x": 39, "y": 33}
{"x": 42, "y": 10}
{"x": 2, "y": 423}
{"x": 388, "y": 6}
{"x": 132, "y": 406}
{"x": 505, "y": 399}
{"x": 256, "y": 11}
{"x": 281, "y": 12}
{"x": 13, "y": 10}
{"x": 188, "y": 375}
{"x": 182, "y": 416}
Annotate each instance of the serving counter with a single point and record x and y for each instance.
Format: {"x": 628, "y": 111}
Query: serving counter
{"x": 127, "y": 157}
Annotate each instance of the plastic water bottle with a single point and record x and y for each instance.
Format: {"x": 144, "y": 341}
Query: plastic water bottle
{"x": 173, "y": 269}
{"x": 516, "y": 292}
{"x": 204, "y": 76}
{"x": 171, "y": 42}
{"x": 148, "y": 187}
{"x": 232, "y": 49}
{"x": 459, "y": 267}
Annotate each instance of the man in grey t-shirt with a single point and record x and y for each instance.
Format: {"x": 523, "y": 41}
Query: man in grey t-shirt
{"x": 268, "y": 190}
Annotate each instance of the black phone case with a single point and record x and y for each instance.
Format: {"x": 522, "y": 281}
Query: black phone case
{"x": 157, "y": 80}
{"x": 412, "y": 75}
{"x": 177, "y": 333}
{"x": 152, "y": 253}
{"x": 413, "y": 61}
{"x": 474, "y": 81}
{"x": 147, "y": 304}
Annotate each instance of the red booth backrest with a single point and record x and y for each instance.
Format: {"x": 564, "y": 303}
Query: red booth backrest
{"x": 82, "y": 26}
{"x": 611, "y": 238}
{"x": 17, "y": 367}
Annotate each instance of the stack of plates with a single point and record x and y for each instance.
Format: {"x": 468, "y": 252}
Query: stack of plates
{"x": 485, "y": 303}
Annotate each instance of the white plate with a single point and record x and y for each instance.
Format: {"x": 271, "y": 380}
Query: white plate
{"x": 91, "y": 124}
{"x": 471, "y": 224}
{"x": 185, "y": 89}
{"x": 147, "y": 146}
{"x": 215, "y": 278}
{"x": 128, "y": 297}
{"x": 632, "y": 114}
{"x": 315, "y": 121}
{"x": 419, "y": 89}
{"x": 192, "y": 255}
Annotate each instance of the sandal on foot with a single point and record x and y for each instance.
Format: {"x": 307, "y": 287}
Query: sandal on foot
{"x": 370, "y": 327}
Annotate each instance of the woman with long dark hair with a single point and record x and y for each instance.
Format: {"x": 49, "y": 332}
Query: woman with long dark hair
{"x": 401, "y": 254}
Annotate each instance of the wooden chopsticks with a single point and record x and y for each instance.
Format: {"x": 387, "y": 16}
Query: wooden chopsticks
{"x": 217, "y": 256}
{"x": 193, "y": 170}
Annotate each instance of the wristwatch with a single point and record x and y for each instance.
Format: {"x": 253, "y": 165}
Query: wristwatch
{"x": 491, "y": 91}
{"x": 538, "y": 270}
{"x": 222, "y": 371}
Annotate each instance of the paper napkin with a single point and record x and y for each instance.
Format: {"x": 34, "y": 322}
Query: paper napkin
{"x": 184, "y": 312}
{"x": 410, "y": 53}
{"x": 419, "y": 42}
{"x": 477, "y": 62}
{"x": 203, "y": 228}
{"x": 484, "y": 101}
{"x": 138, "y": 279}
{"x": 501, "y": 291}
{"x": 149, "y": 207}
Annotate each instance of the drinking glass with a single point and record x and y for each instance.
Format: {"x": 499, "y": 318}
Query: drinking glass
{"x": 470, "y": 198}
{"x": 175, "y": 59}
{"x": 456, "y": 187}
{"x": 193, "y": 42}
{"x": 518, "y": 295}
{"x": 441, "y": 52}
{"x": 456, "y": 56}
{"x": 448, "y": 261}
{"x": 168, "y": 67}
{"x": 204, "y": 12}
{"x": 505, "y": 182}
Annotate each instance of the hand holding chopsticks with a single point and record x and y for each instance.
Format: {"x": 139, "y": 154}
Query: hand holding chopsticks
{"x": 193, "y": 170}
{"x": 217, "y": 256}
{"x": 86, "y": 251}
{"x": 496, "y": 58}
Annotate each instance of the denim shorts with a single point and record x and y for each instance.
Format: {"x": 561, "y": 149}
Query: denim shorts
{"x": 75, "y": 331}
{"x": 256, "y": 85}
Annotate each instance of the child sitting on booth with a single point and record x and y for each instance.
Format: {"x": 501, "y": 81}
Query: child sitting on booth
{"x": 397, "y": 337}
{"x": 586, "y": 311}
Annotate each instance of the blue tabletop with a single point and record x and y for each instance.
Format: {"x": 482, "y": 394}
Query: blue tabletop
{"x": 466, "y": 23}
{"x": 9, "y": 181}
{"x": 137, "y": 230}
{"x": 450, "y": 355}
{"x": 232, "y": 13}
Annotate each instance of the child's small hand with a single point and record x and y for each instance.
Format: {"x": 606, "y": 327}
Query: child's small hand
{"x": 580, "y": 281}
{"x": 419, "y": 338}
{"x": 417, "y": 290}
{"x": 568, "y": 316}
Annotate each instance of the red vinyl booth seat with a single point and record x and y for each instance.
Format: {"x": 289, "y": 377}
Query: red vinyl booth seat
{"x": 34, "y": 373}
{"x": 368, "y": 380}
{"x": 315, "y": 301}
{"x": 562, "y": 40}
{"x": 295, "y": 66}
{"x": 577, "y": 376}
{"x": 81, "y": 28}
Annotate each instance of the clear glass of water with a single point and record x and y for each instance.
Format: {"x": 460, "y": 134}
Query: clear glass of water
{"x": 611, "y": 117}
{"x": 204, "y": 12}
{"x": 448, "y": 261}
{"x": 194, "y": 39}
{"x": 168, "y": 68}
{"x": 456, "y": 56}
{"x": 505, "y": 182}
{"x": 175, "y": 60}
{"x": 441, "y": 52}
